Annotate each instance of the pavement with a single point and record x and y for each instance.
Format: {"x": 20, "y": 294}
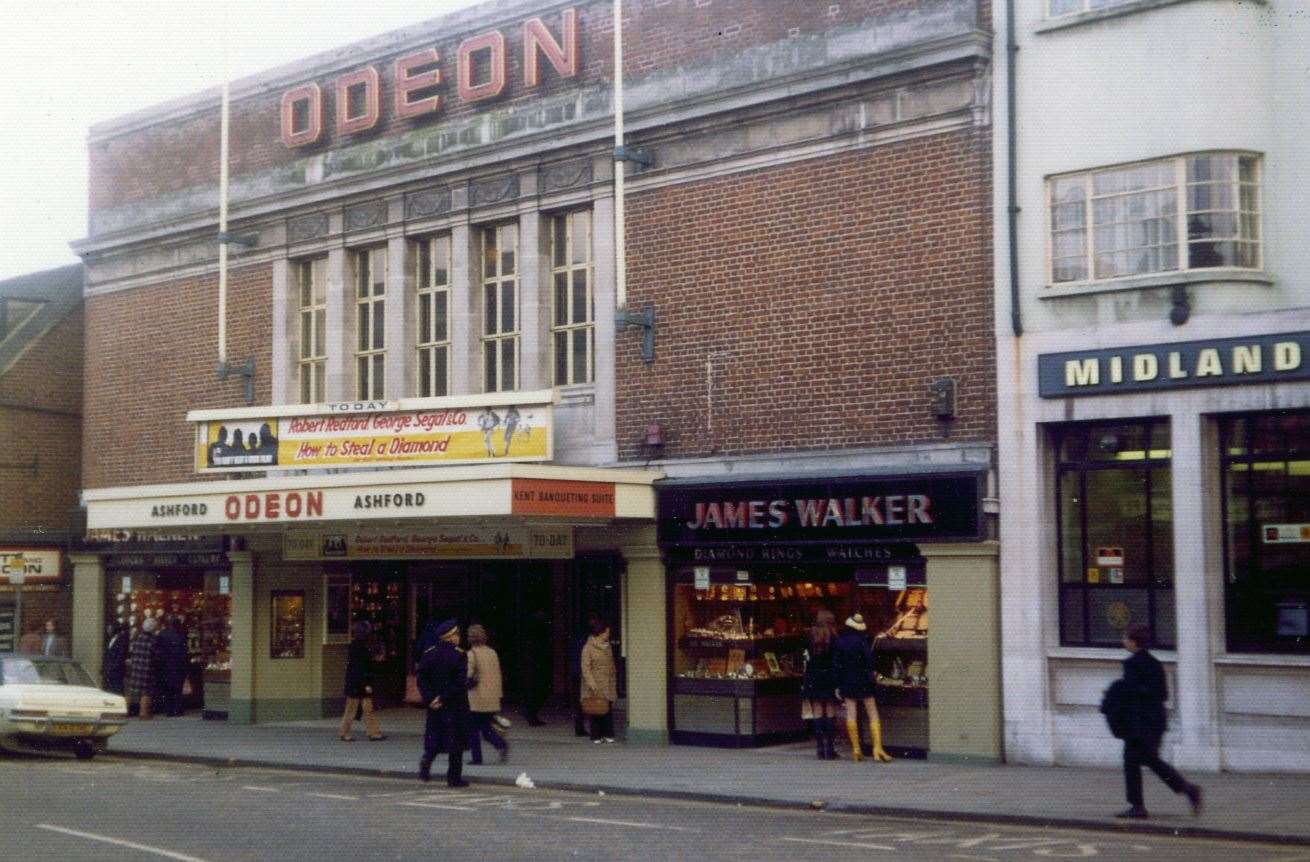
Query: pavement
{"x": 1238, "y": 806}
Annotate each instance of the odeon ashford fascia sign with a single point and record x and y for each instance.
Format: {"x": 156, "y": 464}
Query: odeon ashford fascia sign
{"x": 1152, "y": 367}
{"x": 514, "y": 427}
{"x": 574, "y": 495}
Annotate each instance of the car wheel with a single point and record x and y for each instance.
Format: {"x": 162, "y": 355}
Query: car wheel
{"x": 84, "y": 749}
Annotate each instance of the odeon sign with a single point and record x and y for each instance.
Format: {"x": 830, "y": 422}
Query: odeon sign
{"x": 416, "y": 78}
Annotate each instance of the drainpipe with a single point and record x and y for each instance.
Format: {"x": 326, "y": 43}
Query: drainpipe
{"x": 222, "y": 232}
{"x": 244, "y": 369}
{"x": 620, "y": 240}
{"x": 1011, "y": 50}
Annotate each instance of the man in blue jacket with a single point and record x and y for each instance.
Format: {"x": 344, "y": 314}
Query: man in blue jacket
{"x": 442, "y": 678}
{"x": 1144, "y": 691}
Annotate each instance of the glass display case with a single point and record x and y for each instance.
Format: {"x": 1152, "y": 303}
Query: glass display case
{"x": 898, "y": 621}
{"x": 739, "y": 643}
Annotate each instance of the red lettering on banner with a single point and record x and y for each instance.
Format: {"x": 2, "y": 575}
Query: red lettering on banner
{"x": 272, "y": 506}
{"x": 293, "y": 505}
{"x": 252, "y": 507}
{"x": 232, "y": 508}
{"x": 314, "y": 504}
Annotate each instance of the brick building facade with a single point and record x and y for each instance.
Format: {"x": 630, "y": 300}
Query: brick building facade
{"x": 41, "y": 349}
{"x": 812, "y": 236}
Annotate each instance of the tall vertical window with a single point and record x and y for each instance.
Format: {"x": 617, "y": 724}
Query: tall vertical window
{"x": 311, "y": 290}
{"x": 1266, "y": 475}
{"x": 1198, "y": 211}
{"x": 500, "y": 307}
{"x": 370, "y": 272}
{"x": 432, "y": 260}
{"x": 1114, "y": 508}
{"x": 573, "y": 326}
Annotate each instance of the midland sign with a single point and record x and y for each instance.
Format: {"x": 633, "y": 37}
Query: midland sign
{"x": 1213, "y": 362}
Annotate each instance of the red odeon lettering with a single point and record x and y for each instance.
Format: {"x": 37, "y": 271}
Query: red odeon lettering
{"x": 481, "y": 72}
{"x": 274, "y": 506}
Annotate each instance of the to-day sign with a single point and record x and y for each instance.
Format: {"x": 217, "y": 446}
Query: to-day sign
{"x": 457, "y": 542}
{"x": 336, "y": 438}
{"x": 29, "y": 565}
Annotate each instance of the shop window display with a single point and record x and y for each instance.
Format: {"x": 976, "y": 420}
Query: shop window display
{"x": 287, "y": 636}
{"x": 1265, "y": 461}
{"x": 1114, "y": 508}
{"x": 740, "y": 639}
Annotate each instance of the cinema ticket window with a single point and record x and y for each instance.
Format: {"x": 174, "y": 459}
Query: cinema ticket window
{"x": 1265, "y": 460}
{"x": 1114, "y": 509}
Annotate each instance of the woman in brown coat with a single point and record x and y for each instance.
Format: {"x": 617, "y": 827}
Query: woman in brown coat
{"x": 485, "y": 693}
{"x": 599, "y": 680}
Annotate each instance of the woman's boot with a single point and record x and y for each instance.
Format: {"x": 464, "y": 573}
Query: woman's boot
{"x": 853, "y": 731}
{"x": 829, "y": 732}
{"x": 817, "y": 725}
{"x": 875, "y": 731}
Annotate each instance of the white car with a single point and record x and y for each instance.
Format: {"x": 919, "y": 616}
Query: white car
{"x": 49, "y": 703}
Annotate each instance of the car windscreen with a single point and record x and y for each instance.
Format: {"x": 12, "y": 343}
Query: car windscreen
{"x": 35, "y": 671}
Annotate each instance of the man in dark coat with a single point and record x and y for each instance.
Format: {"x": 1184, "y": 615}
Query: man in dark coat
{"x": 442, "y": 678}
{"x": 174, "y": 663}
{"x": 1143, "y": 693}
{"x": 114, "y": 667}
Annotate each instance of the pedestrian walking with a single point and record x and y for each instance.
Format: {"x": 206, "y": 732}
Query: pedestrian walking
{"x": 1134, "y": 706}
{"x": 599, "y": 683}
{"x": 142, "y": 669}
{"x": 114, "y": 667}
{"x": 852, "y": 666}
{"x": 818, "y": 686}
{"x": 173, "y": 663}
{"x": 485, "y": 693}
{"x": 442, "y": 679}
{"x": 360, "y": 678}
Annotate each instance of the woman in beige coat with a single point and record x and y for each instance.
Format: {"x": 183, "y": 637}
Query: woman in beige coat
{"x": 599, "y": 680}
{"x": 485, "y": 693}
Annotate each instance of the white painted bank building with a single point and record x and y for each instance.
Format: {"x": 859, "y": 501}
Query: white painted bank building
{"x": 1153, "y": 330}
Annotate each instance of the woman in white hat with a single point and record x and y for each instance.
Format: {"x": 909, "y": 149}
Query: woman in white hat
{"x": 852, "y": 665}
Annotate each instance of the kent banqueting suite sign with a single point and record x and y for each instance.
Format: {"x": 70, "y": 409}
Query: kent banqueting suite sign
{"x": 375, "y": 433}
{"x": 1213, "y": 362}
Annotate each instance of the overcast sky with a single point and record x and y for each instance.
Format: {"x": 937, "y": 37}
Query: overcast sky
{"x": 70, "y": 63}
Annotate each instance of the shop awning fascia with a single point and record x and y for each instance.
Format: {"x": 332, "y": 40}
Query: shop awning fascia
{"x": 449, "y": 494}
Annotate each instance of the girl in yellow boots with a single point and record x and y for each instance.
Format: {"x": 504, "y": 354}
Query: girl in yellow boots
{"x": 852, "y": 665}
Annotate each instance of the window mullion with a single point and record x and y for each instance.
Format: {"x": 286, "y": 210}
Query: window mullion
{"x": 1180, "y": 230}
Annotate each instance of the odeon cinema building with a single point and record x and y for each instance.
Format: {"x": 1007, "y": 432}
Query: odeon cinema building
{"x": 445, "y": 323}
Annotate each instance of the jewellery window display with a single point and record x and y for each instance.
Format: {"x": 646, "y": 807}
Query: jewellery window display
{"x": 288, "y": 632}
{"x": 739, "y": 642}
{"x": 381, "y": 604}
{"x": 898, "y": 623}
{"x": 206, "y": 614}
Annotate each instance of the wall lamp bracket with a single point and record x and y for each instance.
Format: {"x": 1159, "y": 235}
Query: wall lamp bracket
{"x": 1181, "y": 305}
{"x": 645, "y": 318}
{"x": 245, "y": 240}
{"x": 638, "y": 155}
{"x": 240, "y": 369}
